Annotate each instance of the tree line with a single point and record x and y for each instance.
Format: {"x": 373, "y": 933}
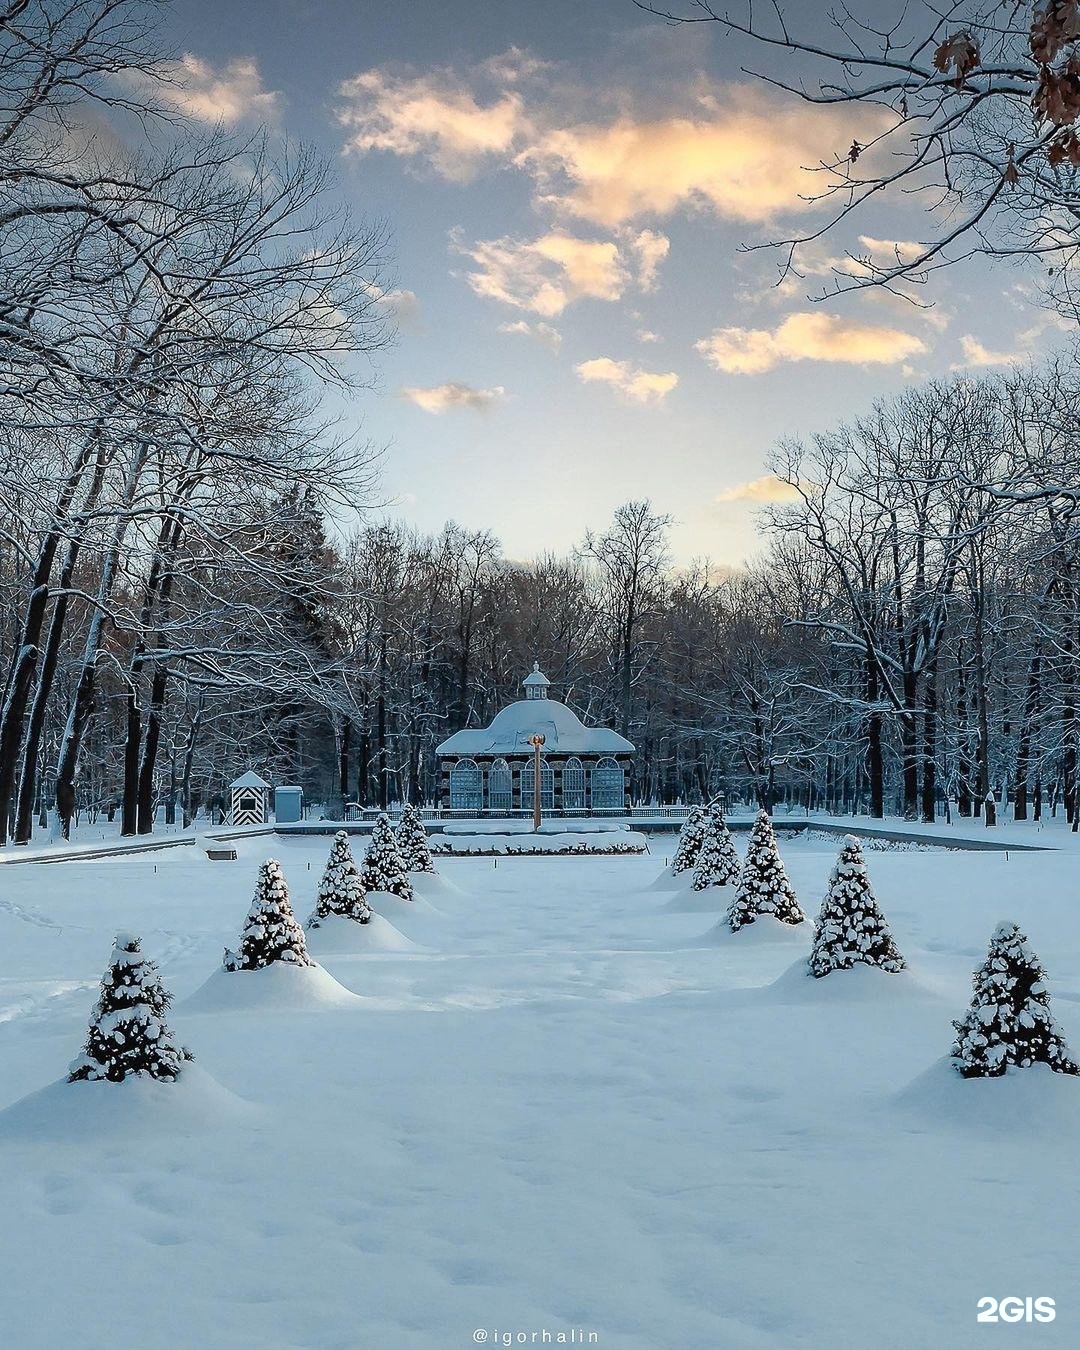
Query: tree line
{"x": 178, "y": 603}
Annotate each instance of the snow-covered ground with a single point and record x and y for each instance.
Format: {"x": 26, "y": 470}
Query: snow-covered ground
{"x": 564, "y": 1106}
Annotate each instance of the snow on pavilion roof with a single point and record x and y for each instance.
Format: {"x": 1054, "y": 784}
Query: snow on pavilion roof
{"x": 563, "y": 731}
{"x": 250, "y": 780}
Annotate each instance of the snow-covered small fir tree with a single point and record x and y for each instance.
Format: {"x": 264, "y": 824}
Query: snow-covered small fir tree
{"x": 412, "y": 841}
{"x": 384, "y": 868}
{"x": 763, "y": 887}
{"x": 341, "y": 892}
{"x": 128, "y": 1033}
{"x": 1009, "y": 1023}
{"x": 690, "y": 837}
{"x": 717, "y": 861}
{"x": 851, "y": 927}
{"x": 271, "y": 932}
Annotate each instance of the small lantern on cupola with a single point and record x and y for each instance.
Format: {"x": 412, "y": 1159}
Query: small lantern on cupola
{"x": 536, "y": 683}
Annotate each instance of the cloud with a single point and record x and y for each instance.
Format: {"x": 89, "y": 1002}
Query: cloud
{"x": 975, "y": 354}
{"x": 902, "y": 250}
{"x": 231, "y": 95}
{"x": 647, "y": 335}
{"x": 759, "y": 490}
{"x": 545, "y": 275}
{"x": 813, "y": 336}
{"x": 542, "y": 332}
{"x": 605, "y": 157}
{"x": 440, "y": 397}
{"x": 401, "y": 305}
{"x": 650, "y": 250}
{"x": 635, "y": 384}
{"x": 431, "y": 116}
{"x": 740, "y": 154}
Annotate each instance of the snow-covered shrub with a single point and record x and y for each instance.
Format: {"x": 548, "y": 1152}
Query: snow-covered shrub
{"x": 384, "y": 868}
{"x": 128, "y": 1033}
{"x": 717, "y": 862}
{"x": 763, "y": 887}
{"x": 851, "y": 927}
{"x": 271, "y": 932}
{"x": 412, "y": 841}
{"x": 457, "y": 850}
{"x": 690, "y": 837}
{"x": 1009, "y": 1023}
{"x": 341, "y": 891}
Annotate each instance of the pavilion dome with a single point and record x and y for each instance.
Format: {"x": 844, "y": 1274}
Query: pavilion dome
{"x": 563, "y": 731}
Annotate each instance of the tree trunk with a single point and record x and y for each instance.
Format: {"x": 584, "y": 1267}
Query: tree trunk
{"x": 1027, "y": 729}
{"x": 930, "y": 737}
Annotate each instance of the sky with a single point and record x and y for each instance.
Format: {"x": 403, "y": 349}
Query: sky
{"x": 570, "y": 187}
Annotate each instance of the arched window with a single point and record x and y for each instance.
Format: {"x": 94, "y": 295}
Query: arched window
{"x": 466, "y": 786}
{"x": 608, "y": 785}
{"x": 500, "y": 786}
{"x": 547, "y": 786}
{"x": 573, "y": 785}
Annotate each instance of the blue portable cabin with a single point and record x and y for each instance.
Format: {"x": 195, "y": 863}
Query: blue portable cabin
{"x": 288, "y": 804}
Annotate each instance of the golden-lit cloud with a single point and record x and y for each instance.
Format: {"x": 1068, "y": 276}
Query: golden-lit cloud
{"x": 545, "y": 275}
{"x": 730, "y": 149}
{"x": 759, "y": 491}
{"x": 542, "y": 332}
{"x": 976, "y": 354}
{"x": 807, "y": 336}
{"x": 739, "y": 154}
{"x": 430, "y": 116}
{"x": 440, "y": 398}
{"x": 229, "y": 95}
{"x": 635, "y": 384}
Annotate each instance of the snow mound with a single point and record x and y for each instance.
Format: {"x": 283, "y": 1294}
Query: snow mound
{"x": 1020, "y": 1103}
{"x": 86, "y": 1111}
{"x": 430, "y": 883}
{"x": 386, "y": 904}
{"x": 668, "y": 881}
{"x": 861, "y": 984}
{"x": 712, "y": 900}
{"x": 339, "y": 936}
{"x": 276, "y": 988}
{"x": 765, "y": 930}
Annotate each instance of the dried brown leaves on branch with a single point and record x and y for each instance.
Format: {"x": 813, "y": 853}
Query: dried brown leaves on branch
{"x": 958, "y": 53}
{"x": 1055, "y": 25}
{"x": 1057, "y": 97}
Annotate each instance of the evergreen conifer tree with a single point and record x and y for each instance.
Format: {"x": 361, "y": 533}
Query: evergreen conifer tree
{"x": 717, "y": 861}
{"x": 271, "y": 932}
{"x": 341, "y": 891}
{"x": 851, "y": 927}
{"x": 764, "y": 888}
{"x": 1009, "y": 1023}
{"x": 128, "y": 1033}
{"x": 690, "y": 837}
{"x": 412, "y": 841}
{"x": 384, "y": 868}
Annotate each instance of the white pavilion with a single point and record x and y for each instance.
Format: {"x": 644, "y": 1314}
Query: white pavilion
{"x": 489, "y": 770}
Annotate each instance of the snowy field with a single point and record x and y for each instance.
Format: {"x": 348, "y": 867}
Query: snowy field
{"x": 563, "y": 1107}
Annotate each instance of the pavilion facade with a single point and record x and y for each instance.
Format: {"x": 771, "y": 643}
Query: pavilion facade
{"x": 583, "y": 770}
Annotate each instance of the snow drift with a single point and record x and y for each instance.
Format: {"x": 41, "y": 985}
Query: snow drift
{"x": 66, "y": 1112}
{"x": 338, "y": 936}
{"x": 279, "y": 987}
